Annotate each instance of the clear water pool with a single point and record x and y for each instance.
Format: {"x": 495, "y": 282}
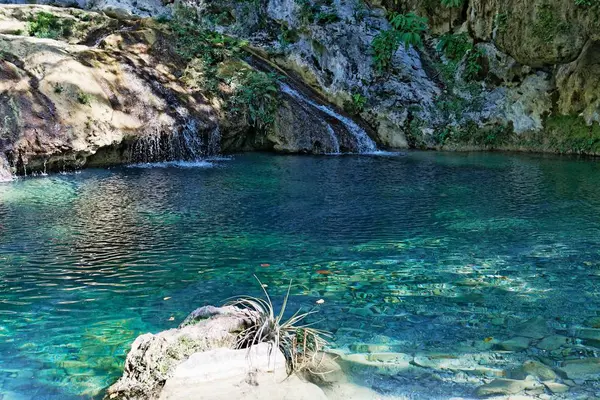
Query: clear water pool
{"x": 417, "y": 250}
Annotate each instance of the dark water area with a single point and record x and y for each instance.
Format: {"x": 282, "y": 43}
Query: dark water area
{"x": 417, "y": 251}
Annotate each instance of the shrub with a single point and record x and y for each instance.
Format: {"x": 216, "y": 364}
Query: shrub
{"x": 454, "y": 46}
{"x": 48, "y": 25}
{"x": 356, "y": 104}
{"x": 298, "y": 342}
{"x": 257, "y": 96}
{"x": 473, "y": 64}
{"x": 406, "y": 29}
{"x": 84, "y": 98}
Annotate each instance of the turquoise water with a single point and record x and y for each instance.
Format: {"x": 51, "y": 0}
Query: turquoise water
{"x": 421, "y": 250}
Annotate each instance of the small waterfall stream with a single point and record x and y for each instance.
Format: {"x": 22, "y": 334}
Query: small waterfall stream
{"x": 364, "y": 144}
{"x": 186, "y": 144}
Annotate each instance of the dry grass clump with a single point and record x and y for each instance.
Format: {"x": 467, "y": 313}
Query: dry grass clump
{"x": 300, "y": 343}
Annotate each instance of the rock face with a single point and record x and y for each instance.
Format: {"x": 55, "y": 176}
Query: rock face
{"x": 113, "y": 92}
{"x": 62, "y": 103}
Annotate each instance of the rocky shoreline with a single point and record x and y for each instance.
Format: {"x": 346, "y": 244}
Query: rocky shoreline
{"x": 107, "y": 85}
{"x": 198, "y": 360}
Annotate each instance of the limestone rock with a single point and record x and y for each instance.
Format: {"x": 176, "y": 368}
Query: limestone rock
{"x": 5, "y": 172}
{"x": 556, "y": 387}
{"x": 593, "y": 322}
{"x": 579, "y": 83}
{"x": 535, "y": 328}
{"x": 223, "y": 374}
{"x": 153, "y": 358}
{"x": 588, "y": 333}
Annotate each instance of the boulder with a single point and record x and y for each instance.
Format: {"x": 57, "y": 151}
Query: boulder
{"x": 249, "y": 374}
{"x": 154, "y": 358}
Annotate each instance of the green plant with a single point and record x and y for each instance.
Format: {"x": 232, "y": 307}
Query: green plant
{"x": 384, "y": 45}
{"x": 47, "y": 25}
{"x": 299, "y": 343}
{"x": 454, "y": 46}
{"x": 306, "y": 11}
{"x": 356, "y": 104}
{"x": 588, "y": 3}
{"x": 450, "y": 4}
{"x": 473, "y": 64}
{"x": 162, "y": 19}
{"x": 410, "y": 28}
{"x": 406, "y": 29}
{"x": 84, "y": 98}
{"x": 257, "y": 97}
{"x": 324, "y": 18}
{"x": 58, "y": 89}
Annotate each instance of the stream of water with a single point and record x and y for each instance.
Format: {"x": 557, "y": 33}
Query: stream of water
{"x": 417, "y": 251}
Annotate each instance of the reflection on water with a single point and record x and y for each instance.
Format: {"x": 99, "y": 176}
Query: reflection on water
{"x": 417, "y": 251}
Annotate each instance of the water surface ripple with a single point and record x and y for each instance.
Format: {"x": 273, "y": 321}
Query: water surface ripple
{"x": 424, "y": 250}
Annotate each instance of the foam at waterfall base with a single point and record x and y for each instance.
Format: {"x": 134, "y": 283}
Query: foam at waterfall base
{"x": 175, "y": 164}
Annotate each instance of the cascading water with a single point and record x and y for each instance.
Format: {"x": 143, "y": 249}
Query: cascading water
{"x": 334, "y": 140}
{"x": 185, "y": 144}
{"x": 364, "y": 144}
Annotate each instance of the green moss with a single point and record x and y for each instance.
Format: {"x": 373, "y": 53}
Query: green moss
{"x": 547, "y": 24}
{"x": 571, "y": 134}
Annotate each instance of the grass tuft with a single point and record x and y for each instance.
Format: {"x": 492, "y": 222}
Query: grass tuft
{"x": 300, "y": 343}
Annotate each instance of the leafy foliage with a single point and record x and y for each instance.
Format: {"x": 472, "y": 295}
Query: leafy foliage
{"x": 384, "y": 45}
{"x": 356, "y": 104}
{"x": 410, "y": 28}
{"x": 406, "y": 29}
{"x": 473, "y": 64}
{"x": 454, "y": 46}
{"x": 48, "y": 25}
{"x": 257, "y": 97}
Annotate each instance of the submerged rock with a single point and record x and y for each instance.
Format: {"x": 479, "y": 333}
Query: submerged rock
{"x": 533, "y": 368}
{"x": 515, "y": 344}
{"x": 585, "y": 369}
{"x": 552, "y": 342}
{"x": 507, "y": 387}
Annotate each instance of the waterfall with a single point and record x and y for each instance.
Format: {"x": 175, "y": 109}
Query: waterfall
{"x": 364, "y": 143}
{"x": 334, "y": 140}
{"x": 185, "y": 144}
